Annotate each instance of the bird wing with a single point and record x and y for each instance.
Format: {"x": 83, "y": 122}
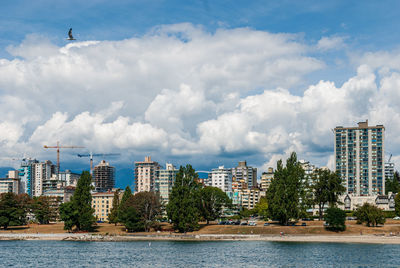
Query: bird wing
{"x": 70, "y": 34}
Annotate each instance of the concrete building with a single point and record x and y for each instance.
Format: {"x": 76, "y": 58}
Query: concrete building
{"x": 164, "y": 181}
{"x": 266, "y": 179}
{"x": 248, "y": 198}
{"x": 359, "y": 158}
{"x": 70, "y": 178}
{"x": 389, "y": 170}
{"x": 239, "y": 184}
{"x": 145, "y": 175}
{"x": 103, "y": 177}
{"x": 10, "y": 185}
{"x": 249, "y": 174}
{"x": 221, "y": 177}
{"x": 102, "y": 204}
{"x": 41, "y": 172}
{"x": 352, "y": 202}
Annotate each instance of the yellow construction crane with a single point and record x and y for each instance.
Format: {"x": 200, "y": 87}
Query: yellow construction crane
{"x": 58, "y": 147}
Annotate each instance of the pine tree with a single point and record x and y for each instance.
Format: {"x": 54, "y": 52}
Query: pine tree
{"x": 127, "y": 194}
{"x": 183, "y": 205}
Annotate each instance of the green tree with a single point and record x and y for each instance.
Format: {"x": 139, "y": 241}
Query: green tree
{"x": 326, "y": 188}
{"x": 113, "y": 216}
{"x": 397, "y": 204}
{"x": 392, "y": 185}
{"x": 148, "y": 206}
{"x": 285, "y": 192}
{"x": 80, "y": 212}
{"x": 370, "y": 214}
{"x": 12, "y": 211}
{"x": 261, "y": 208}
{"x": 130, "y": 218}
{"x": 212, "y": 201}
{"x": 44, "y": 210}
{"x": 127, "y": 194}
{"x": 336, "y": 219}
{"x": 182, "y": 208}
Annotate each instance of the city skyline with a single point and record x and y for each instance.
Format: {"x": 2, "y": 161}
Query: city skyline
{"x": 209, "y": 83}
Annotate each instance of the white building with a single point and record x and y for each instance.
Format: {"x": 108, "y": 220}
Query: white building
{"x": 221, "y": 177}
{"x": 145, "y": 175}
{"x": 164, "y": 181}
{"x": 42, "y": 172}
{"x": 359, "y": 158}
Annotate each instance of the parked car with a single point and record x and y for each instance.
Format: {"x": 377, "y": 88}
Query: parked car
{"x": 243, "y": 223}
{"x": 237, "y": 222}
{"x": 222, "y": 223}
{"x": 396, "y": 218}
{"x": 252, "y": 223}
{"x": 351, "y": 218}
{"x": 303, "y": 224}
{"x": 266, "y": 224}
{"x": 326, "y": 224}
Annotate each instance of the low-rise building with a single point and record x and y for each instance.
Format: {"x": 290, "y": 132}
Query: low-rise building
{"x": 102, "y": 204}
{"x": 248, "y": 198}
{"x": 352, "y": 202}
{"x": 9, "y": 185}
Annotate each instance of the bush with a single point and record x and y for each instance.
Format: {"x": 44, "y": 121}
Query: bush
{"x": 369, "y": 214}
{"x": 336, "y": 219}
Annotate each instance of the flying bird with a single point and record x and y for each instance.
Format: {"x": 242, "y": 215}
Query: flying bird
{"x": 70, "y": 37}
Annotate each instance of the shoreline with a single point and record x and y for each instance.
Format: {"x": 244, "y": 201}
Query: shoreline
{"x": 364, "y": 239}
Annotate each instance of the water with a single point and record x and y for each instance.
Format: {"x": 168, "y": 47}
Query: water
{"x": 195, "y": 254}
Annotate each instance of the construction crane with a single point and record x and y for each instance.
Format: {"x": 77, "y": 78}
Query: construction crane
{"x": 58, "y": 147}
{"x": 390, "y": 158}
{"x": 91, "y": 158}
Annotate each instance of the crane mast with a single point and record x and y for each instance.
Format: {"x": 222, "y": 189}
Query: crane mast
{"x": 58, "y": 147}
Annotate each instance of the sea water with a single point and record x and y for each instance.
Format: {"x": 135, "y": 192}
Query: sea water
{"x": 196, "y": 254}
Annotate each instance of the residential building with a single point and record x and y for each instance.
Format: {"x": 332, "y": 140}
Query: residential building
{"x": 164, "y": 181}
{"x": 102, "y": 203}
{"x": 249, "y": 174}
{"x": 221, "y": 177}
{"x": 70, "y": 178}
{"x": 352, "y": 202}
{"x": 359, "y": 158}
{"x": 266, "y": 179}
{"x": 103, "y": 177}
{"x": 250, "y": 197}
{"x": 389, "y": 170}
{"x": 41, "y": 172}
{"x": 10, "y": 185}
{"x": 26, "y": 174}
{"x": 239, "y": 184}
{"x": 145, "y": 175}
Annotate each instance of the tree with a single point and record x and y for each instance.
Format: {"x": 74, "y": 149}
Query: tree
{"x": 148, "y": 206}
{"x": 286, "y": 190}
{"x": 113, "y": 217}
{"x": 182, "y": 208}
{"x": 79, "y": 212}
{"x": 131, "y": 219}
{"x": 12, "y": 212}
{"x": 43, "y": 208}
{"x": 392, "y": 185}
{"x": 397, "y": 204}
{"x": 326, "y": 187}
{"x": 336, "y": 219}
{"x": 127, "y": 194}
{"x": 261, "y": 208}
{"x": 212, "y": 201}
{"x": 370, "y": 214}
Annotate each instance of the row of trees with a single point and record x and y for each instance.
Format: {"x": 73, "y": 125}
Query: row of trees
{"x": 14, "y": 209}
{"x": 291, "y": 193}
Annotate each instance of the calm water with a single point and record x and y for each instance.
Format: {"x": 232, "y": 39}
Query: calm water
{"x": 195, "y": 254}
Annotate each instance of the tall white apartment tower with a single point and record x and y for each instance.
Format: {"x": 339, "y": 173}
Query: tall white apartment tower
{"x": 145, "y": 175}
{"x": 221, "y": 177}
{"x": 359, "y": 158}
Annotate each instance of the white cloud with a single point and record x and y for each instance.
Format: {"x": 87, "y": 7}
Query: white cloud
{"x": 331, "y": 43}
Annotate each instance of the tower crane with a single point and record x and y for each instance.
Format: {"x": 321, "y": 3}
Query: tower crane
{"x": 90, "y": 155}
{"x": 58, "y": 147}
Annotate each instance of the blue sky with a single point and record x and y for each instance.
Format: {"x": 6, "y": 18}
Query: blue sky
{"x": 282, "y": 71}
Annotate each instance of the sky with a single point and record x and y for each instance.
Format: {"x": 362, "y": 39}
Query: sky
{"x": 208, "y": 83}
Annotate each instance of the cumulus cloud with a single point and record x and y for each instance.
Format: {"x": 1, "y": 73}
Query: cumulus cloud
{"x": 331, "y": 43}
{"x": 181, "y": 91}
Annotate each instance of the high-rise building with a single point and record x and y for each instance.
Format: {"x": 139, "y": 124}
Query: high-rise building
{"x": 11, "y": 184}
{"x": 164, "y": 181}
{"x": 266, "y": 179}
{"x": 359, "y": 158}
{"x": 41, "y": 172}
{"x": 249, "y": 174}
{"x": 221, "y": 177}
{"x": 103, "y": 177}
{"x": 145, "y": 175}
{"x": 26, "y": 174}
{"x": 389, "y": 170}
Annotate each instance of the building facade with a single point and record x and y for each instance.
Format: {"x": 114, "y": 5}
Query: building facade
{"x": 41, "y": 172}
{"x": 248, "y": 198}
{"x": 164, "y": 181}
{"x": 221, "y": 177}
{"x": 26, "y": 174}
{"x": 248, "y": 174}
{"x": 9, "y": 185}
{"x": 103, "y": 177}
{"x": 266, "y": 179}
{"x": 145, "y": 175}
{"x": 359, "y": 158}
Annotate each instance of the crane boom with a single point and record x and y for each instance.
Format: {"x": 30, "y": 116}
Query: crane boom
{"x": 58, "y": 147}
{"x": 91, "y": 158}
